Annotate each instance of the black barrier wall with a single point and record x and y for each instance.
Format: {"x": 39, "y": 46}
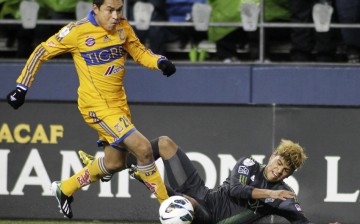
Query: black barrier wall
{"x": 38, "y": 144}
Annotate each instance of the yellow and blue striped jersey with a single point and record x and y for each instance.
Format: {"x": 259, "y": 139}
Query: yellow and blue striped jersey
{"x": 99, "y": 58}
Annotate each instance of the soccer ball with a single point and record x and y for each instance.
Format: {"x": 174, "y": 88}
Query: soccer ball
{"x": 176, "y": 210}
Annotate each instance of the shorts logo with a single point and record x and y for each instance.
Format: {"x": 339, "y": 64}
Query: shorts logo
{"x": 297, "y": 206}
{"x": 243, "y": 170}
{"x": 269, "y": 200}
{"x": 119, "y": 127}
{"x": 112, "y": 70}
{"x": 90, "y": 41}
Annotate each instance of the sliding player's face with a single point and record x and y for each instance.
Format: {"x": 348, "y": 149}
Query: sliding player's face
{"x": 109, "y": 14}
{"x": 277, "y": 169}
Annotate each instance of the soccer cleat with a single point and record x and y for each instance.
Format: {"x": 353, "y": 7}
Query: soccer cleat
{"x": 63, "y": 200}
{"x": 135, "y": 173}
{"x": 86, "y": 159}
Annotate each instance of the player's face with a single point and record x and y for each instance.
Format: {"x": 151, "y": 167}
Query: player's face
{"x": 277, "y": 169}
{"x": 109, "y": 14}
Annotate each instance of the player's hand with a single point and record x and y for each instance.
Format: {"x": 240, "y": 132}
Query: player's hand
{"x": 166, "y": 66}
{"x": 282, "y": 194}
{"x": 16, "y": 98}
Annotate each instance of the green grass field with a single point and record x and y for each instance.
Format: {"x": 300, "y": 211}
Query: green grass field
{"x": 68, "y": 221}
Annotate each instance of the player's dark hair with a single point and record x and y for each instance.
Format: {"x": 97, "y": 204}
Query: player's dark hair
{"x": 99, "y": 3}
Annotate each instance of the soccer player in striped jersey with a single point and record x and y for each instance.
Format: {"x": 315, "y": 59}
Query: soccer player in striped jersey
{"x": 99, "y": 45}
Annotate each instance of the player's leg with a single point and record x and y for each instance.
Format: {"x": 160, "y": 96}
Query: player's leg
{"x": 64, "y": 190}
{"x": 168, "y": 149}
{"x": 131, "y": 161}
{"x": 87, "y": 158}
{"x": 181, "y": 173}
{"x": 109, "y": 128}
{"x": 140, "y": 147}
{"x": 184, "y": 178}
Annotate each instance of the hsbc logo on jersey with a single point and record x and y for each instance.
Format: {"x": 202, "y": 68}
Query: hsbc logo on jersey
{"x": 243, "y": 170}
{"x": 113, "y": 70}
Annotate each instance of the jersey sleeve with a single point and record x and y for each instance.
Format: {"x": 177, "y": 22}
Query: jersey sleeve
{"x": 240, "y": 178}
{"x": 138, "y": 51}
{"x": 291, "y": 210}
{"x": 60, "y": 43}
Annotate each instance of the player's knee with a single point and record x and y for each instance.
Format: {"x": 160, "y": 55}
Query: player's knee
{"x": 167, "y": 147}
{"x": 144, "y": 153}
{"x": 113, "y": 166}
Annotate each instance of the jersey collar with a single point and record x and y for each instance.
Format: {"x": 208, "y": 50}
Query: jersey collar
{"x": 91, "y": 18}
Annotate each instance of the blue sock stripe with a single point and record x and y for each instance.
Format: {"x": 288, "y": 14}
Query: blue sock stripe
{"x": 146, "y": 167}
{"x": 102, "y": 166}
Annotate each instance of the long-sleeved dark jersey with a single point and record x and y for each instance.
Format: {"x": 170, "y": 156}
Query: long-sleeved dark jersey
{"x": 232, "y": 202}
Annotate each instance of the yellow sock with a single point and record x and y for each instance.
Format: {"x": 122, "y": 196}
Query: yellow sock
{"x": 152, "y": 179}
{"x": 89, "y": 174}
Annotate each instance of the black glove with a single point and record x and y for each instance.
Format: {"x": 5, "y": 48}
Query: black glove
{"x": 167, "y": 67}
{"x": 16, "y": 98}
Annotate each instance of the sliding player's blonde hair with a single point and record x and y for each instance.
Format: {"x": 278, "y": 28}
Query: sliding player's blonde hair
{"x": 292, "y": 153}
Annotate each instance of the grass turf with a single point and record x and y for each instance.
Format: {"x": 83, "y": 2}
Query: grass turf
{"x": 68, "y": 221}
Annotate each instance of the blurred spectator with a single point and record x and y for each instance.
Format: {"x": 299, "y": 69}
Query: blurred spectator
{"x": 28, "y": 39}
{"x": 168, "y": 10}
{"x": 63, "y": 9}
{"x": 349, "y": 12}
{"x": 17, "y": 34}
{"x": 180, "y": 11}
{"x": 229, "y": 39}
{"x": 58, "y": 10}
{"x": 307, "y": 40}
{"x": 156, "y": 36}
{"x": 226, "y": 38}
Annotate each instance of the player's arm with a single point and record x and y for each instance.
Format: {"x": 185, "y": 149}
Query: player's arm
{"x": 291, "y": 210}
{"x": 145, "y": 56}
{"x": 258, "y": 193}
{"x": 240, "y": 178}
{"x": 57, "y": 44}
